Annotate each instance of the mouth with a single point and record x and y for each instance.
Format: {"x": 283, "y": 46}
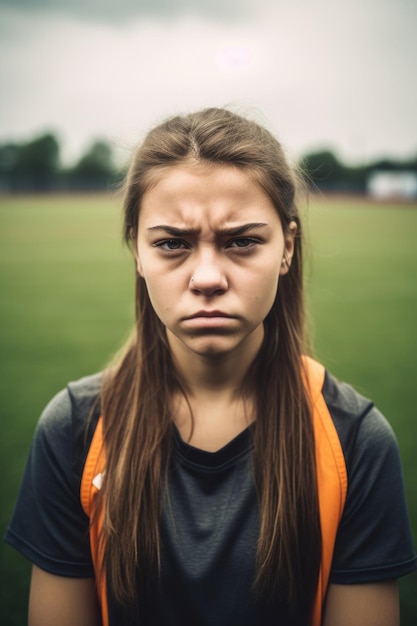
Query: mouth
{"x": 210, "y": 321}
{"x": 208, "y": 314}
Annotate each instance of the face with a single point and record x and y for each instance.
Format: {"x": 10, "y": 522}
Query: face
{"x": 211, "y": 249}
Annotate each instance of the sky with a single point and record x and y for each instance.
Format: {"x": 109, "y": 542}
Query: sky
{"x": 318, "y": 73}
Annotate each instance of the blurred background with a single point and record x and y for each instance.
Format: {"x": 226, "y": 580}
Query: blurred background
{"x": 81, "y": 82}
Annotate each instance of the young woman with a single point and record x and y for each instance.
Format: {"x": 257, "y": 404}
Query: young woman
{"x": 214, "y": 475}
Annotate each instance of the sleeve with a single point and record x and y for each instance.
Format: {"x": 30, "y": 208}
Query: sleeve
{"x": 374, "y": 539}
{"x": 48, "y": 525}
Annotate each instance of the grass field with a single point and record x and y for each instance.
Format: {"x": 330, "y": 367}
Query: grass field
{"x": 67, "y": 304}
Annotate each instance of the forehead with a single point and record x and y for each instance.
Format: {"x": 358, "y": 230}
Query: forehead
{"x": 189, "y": 193}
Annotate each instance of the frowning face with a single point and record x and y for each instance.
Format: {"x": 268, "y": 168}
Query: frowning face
{"x": 211, "y": 248}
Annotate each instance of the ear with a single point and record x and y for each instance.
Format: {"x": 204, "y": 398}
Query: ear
{"x": 289, "y": 244}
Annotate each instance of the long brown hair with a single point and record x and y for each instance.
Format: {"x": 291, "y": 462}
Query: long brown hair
{"x": 136, "y": 392}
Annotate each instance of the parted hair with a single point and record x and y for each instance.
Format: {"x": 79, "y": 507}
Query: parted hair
{"x": 136, "y": 391}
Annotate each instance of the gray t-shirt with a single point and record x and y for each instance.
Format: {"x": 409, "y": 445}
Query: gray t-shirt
{"x": 211, "y": 522}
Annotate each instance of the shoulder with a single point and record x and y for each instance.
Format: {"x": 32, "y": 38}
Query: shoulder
{"x": 373, "y": 541}
{"x": 344, "y": 402}
{"x": 362, "y": 429}
{"x": 62, "y": 430}
{"x": 84, "y": 391}
{"x": 76, "y": 400}
{"x": 49, "y": 525}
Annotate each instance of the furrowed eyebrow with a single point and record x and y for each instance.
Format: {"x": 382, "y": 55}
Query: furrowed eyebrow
{"x": 241, "y": 230}
{"x": 172, "y": 230}
{"x": 184, "y": 232}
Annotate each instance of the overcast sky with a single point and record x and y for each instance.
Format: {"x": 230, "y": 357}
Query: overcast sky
{"x": 318, "y": 73}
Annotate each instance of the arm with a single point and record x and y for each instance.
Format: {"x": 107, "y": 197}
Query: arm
{"x": 60, "y": 601}
{"x": 362, "y": 605}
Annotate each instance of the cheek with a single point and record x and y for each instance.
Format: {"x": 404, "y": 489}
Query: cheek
{"x": 162, "y": 290}
{"x": 260, "y": 291}
{"x": 269, "y": 293}
{"x": 139, "y": 268}
{"x": 157, "y": 287}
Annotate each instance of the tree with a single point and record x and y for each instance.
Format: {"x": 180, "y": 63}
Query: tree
{"x": 322, "y": 169}
{"x": 37, "y": 162}
{"x": 30, "y": 166}
{"x": 8, "y": 158}
{"x": 95, "y": 169}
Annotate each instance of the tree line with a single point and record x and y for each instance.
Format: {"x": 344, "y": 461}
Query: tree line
{"x": 35, "y": 166}
{"x": 325, "y": 172}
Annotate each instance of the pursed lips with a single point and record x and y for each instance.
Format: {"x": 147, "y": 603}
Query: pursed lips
{"x": 209, "y": 320}
{"x": 208, "y": 314}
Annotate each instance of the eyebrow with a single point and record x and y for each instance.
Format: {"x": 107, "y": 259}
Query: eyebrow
{"x": 184, "y": 232}
{"x": 241, "y": 230}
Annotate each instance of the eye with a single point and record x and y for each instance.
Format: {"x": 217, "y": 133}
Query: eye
{"x": 243, "y": 242}
{"x": 171, "y": 245}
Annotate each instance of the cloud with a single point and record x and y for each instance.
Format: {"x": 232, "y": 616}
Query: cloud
{"x": 315, "y": 73}
{"x": 122, "y": 10}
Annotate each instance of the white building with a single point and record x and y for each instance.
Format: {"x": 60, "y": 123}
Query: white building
{"x": 385, "y": 185}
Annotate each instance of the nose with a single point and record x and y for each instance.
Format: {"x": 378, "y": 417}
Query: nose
{"x": 208, "y": 277}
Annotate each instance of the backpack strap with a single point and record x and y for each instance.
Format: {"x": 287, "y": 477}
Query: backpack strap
{"x": 331, "y": 480}
{"x": 90, "y": 486}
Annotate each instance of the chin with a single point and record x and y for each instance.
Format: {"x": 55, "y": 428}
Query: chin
{"x": 213, "y": 349}
{"x": 210, "y": 351}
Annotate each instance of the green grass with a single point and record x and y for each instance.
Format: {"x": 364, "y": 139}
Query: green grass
{"x": 67, "y": 304}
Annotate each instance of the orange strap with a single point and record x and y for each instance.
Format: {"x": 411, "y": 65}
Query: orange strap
{"x": 90, "y": 485}
{"x": 331, "y": 480}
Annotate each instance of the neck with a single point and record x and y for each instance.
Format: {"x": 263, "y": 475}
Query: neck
{"x": 214, "y": 373}
{"x": 216, "y": 406}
